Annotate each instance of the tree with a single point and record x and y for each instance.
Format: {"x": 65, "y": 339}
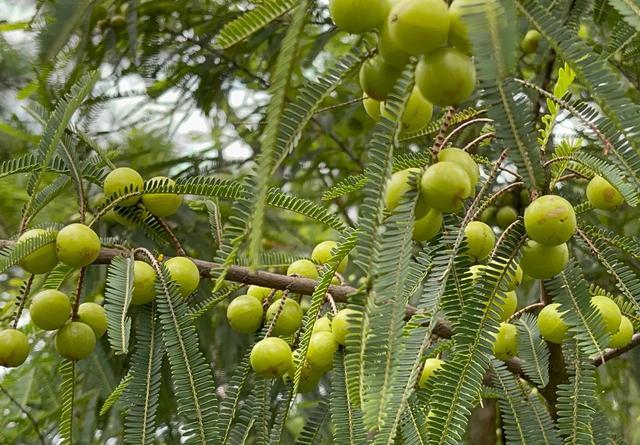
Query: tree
{"x": 475, "y": 275}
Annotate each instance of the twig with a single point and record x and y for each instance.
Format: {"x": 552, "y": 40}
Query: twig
{"x": 332, "y": 303}
{"x": 26, "y": 413}
{"x": 459, "y": 128}
{"x": 440, "y": 138}
{"x": 174, "y": 239}
{"x": 613, "y": 353}
{"x": 78, "y": 293}
{"x": 22, "y": 302}
{"x": 524, "y": 310}
{"x": 479, "y": 139}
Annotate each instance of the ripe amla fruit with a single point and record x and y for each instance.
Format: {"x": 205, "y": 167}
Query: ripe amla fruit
{"x": 322, "y": 254}
{"x": 75, "y": 340}
{"x": 185, "y": 273}
{"x": 446, "y": 76}
{"x": 303, "y": 268}
{"x": 290, "y": 318}
{"x": 609, "y": 311}
{"x": 262, "y": 293}
{"x": 77, "y": 245}
{"x": 458, "y": 33}
{"x": 94, "y": 316}
{"x": 371, "y": 106}
{"x": 507, "y": 307}
{"x": 14, "y": 348}
{"x": 122, "y": 181}
{"x": 50, "y": 309}
{"x": 162, "y": 204}
{"x": 624, "y": 335}
{"x": 505, "y": 345}
{"x": 42, "y": 260}
{"x": 445, "y": 186}
{"x": 530, "y": 42}
{"x": 550, "y": 220}
{"x": 322, "y": 347}
{"x": 391, "y": 54}
{"x": 464, "y": 160}
{"x": 322, "y": 324}
{"x": 551, "y": 325}
{"x": 602, "y": 195}
{"x": 418, "y": 26}
{"x": 543, "y": 262}
{"x": 400, "y": 184}
{"x": 377, "y": 78}
{"x": 427, "y": 227}
{"x": 271, "y": 357}
{"x": 431, "y": 365}
{"x": 144, "y": 279}
{"x": 510, "y": 280}
{"x": 417, "y": 113}
{"x": 358, "y": 16}
{"x": 245, "y": 314}
{"x": 340, "y": 323}
{"x": 480, "y": 240}
{"x": 506, "y": 216}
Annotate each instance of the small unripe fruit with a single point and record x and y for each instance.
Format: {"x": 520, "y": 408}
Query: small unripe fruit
{"x": 550, "y": 220}
{"x": 372, "y": 107}
{"x": 445, "y": 186}
{"x": 271, "y": 357}
{"x": 77, "y": 245}
{"x": 401, "y": 183}
{"x": 323, "y": 324}
{"x": 624, "y": 335}
{"x": 458, "y": 33}
{"x": 419, "y": 26}
{"x": 144, "y": 279}
{"x": 322, "y": 347}
{"x": 118, "y": 22}
{"x": 75, "y": 341}
{"x": 508, "y": 307}
{"x": 162, "y": 204}
{"x": 480, "y": 240}
{"x": 94, "y": 316}
{"x": 530, "y": 42}
{"x": 427, "y": 227}
{"x": 506, "y": 216}
{"x": 602, "y": 195}
{"x": 446, "y": 77}
{"x": 543, "y": 262}
{"x": 340, "y": 323}
{"x": 290, "y": 318}
{"x": 464, "y": 160}
{"x": 322, "y": 254}
{"x": 262, "y": 293}
{"x": 50, "y": 309}
{"x": 377, "y": 78}
{"x": 123, "y": 180}
{"x": 431, "y": 365}
{"x": 185, "y": 273}
{"x": 358, "y": 16}
{"x": 609, "y": 311}
{"x": 505, "y": 346}
{"x": 551, "y": 325}
{"x": 417, "y": 113}
{"x": 14, "y": 348}
{"x": 245, "y": 314}
{"x": 488, "y": 214}
{"x": 303, "y": 268}
{"x": 42, "y": 260}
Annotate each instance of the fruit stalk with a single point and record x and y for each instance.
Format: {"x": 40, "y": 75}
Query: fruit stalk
{"x": 172, "y": 236}
{"x": 78, "y": 293}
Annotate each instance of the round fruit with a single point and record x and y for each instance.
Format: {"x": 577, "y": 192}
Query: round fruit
{"x": 399, "y": 184}
{"x": 551, "y": 325}
{"x": 377, "y": 78}
{"x": 118, "y": 21}
{"x": 505, "y": 346}
{"x": 446, "y": 76}
{"x": 550, "y": 220}
{"x": 303, "y": 268}
{"x": 271, "y": 357}
{"x": 144, "y": 279}
{"x": 245, "y": 314}
{"x": 445, "y": 186}
{"x": 358, "y": 16}
{"x": 391, "y": 54}
{"x": 42, "y": 260}
{"x": 510, "y": 281}
{"x": 14, "y": 348}
{"x": 458, "y": 33}
{"x": 584, "y": 32}
{"x": 322, "y": 254}
{"x": 75, "y": 341}
{"x": 506, "y": 216}
{"x": 323, "y": 324}
{"x": 543, "y": 262}
{"x": 464, "y": 160}
{"x": 530, "y": 42}
{"x": 488, "y": 214}
{"x": 162, "y": 204}
{"x": 94, "y": 316}
{"x": 290, "y": 318}
{"x": 50, "y": 309}
{"x": 340, "y": 323}
{"x": 602, "y": 195}
{"x": 419, "y": 26}
{"x": 431, "y": 365}
{"x": 322, "y": 347}
{"x": 372, "y": 107}
{"x": 417, "y": 113}
{"x": 262, "y": 293}
{"x": 609, "y": 311}
{"x": 122, "y": 181}
{"x": 480, "y": 240}
{"x": 525, "y": 197}
{"x": 624, "y": 335}
{"x": 425, "y": 228}
{"x": 508, "y": 307}
{"x": 77, "y": 245}
{"x": 185, "y": 273}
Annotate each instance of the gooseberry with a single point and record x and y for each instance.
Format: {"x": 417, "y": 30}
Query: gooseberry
{"x": 480, "y": 240}
{"x": 162, "y": 204}
{"x": 271, "y": 357}
{"x": 94, "y": 316}
{"x": 425, "y": 228}
{"x": 77, "y": 245}
{"x": 185, "y": 273}
{"x": 322, "y": 347}
{"x": 122, "y": 181}
{"x": 507, "y": 307}
{"x": 417, "y": 113}
{"x": 506, "y": 216}
{"x": 372, "y": 107}
{"x": 400, "y": 183}
{"x": 377, "y": 78}
{"x": 323, "y": 324}
{"x": 602, "y": 195}
{"x": 609, "y": 311}
{"x": 446, "y": 77}
{"x": 303, "y": 268}
{"x": 322, "y": 254}
{"x": 550, "y": 220}
{"x": 551, "y": 325}
{"x": 530, "y": 41}
{"x": 262, "y": 293}
{"x": 431, "y": 365}
{"x": 14, "y": 348}
{"x": 42, "y": 260}
{"x": 245, "y": 314}
{"x": 458, "y": 33}
{"x": 340, "y": 323}
{"x": 358, "y": 16}
{"x": 444, "y": 186}
{"x": 290, "y": 318}
{"x": 624, "y": 335}
{"x": 75, "y": 340}
{"x": 505, "y": 345}
{"x": 391, "y": 54}
{"x": 464, "y": 160}
{"x": 418, "y": 26}
{"x": 543, "y": 262}
{"x": 144, "y": 279}
{"x": 50, "y": 309}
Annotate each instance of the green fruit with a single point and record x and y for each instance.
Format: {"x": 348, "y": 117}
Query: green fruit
{"x": 340, "y": 323}
{"x": 417, "y": 113}
{"x": 445, "y": 186}
{"x": 122, "y": 181}
{"x": 446, "y": 76}
{"x": 162, "y": 204}
{"x": 290, "y": 318}
{"x": 75, "y": 341}
{"x": 118, "y": 21}
{"x": 427, "y": 227}
{"x": 94, "y": 316}
{"x": 358, "y": 16}
{"x": 303, "y": 268}
{"x": 543, "y": 262}
{"x": 609, "y": 311}
{"x": 418, "y": 26}
{"x": 391, "y": 54}
{"x": 624, "y": 335}
{"x": 77, "y": 245}
{"x": 505, "y": 346}
{"x": 322, "y": 347}
{"x": 550, "y": 220}
{"x": 185, "y": 273}
{"x": 262, "y": 293}
{"x": 50, "y": 309}
{"x": 323, "y": 324}
{"x": 42, "y": 260}
{"x": 14, "y": 348}
{"x": 322, "y": 254}
{"x": 401, "y": 183}
{"x": 488, "y": 214}
{"x": 507, "y": 307}
{"x": 602, "y": 195}
{"x": 245, "y": 314}
{"x": 584, "y": 32}
{"x": 144, "y": 279}
{"x": 271, "y": 357}
{"x": 506, "y": 216}
{"x": 372, "y": 107}
{"x": 377, "y": 78}
{"x": 551, "y": 325}
{"x": 464, "y": 160}
{"x": 431, "y": 365}
{"x": 480, "y": 240}
{"x": 525, "y": 197}
{"x": 458, "y": 33}
{"x": 530, "y": 42}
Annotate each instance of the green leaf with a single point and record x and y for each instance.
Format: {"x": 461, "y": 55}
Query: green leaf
{"x": 67, "y": 391}
{"x": 116, "y": 394}
{"x": 11, "y": 256}
{"x": 346, "y": 417}
{"x": 629, "y": 10}
{"x": 118, "y": 294}
{"x": 232, "y": 402}
{"x": 533, "y": 350}
{"x": 314, "y": 428}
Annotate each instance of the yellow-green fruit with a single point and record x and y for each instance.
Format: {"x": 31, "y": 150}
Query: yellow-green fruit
{"x": 427, "y": 227}
{"x": 506, "y": 216}
{"x": 322, "y": 347}
{"x": 530, "y": 42}
{"x": 480, "y": 240}
{"x": 144, "y": 279}
{"x": 50, "y": 309}
{"x": 391, "y": 54}
{"x": 245, "y": 314}
{"x": 303, "y": 268}
{"x": 584, "y": 32}
{"x": 543, "y": 262}
{"x": 446, "y": 76}
{"x": 464, "y": 160}
{"x": 505, "y": 346}
{"x": 419, "y": 26}
{"x": 609, "y": 311}
{"x": 400, "y": 184}
{"x": 322, "y": 254}
{"x": 122, "y": 181}
{"x": 323, "y": 324}
{"x": 624, "y": 335}
{"x": 271, "y": 357}
{"x": 75, "y": 341}
{"x": 458, "y": 32}
{"x": 162, "y": 204}
{"x": 551, "y": 325}
{"x": 550, "y": 220}
{"x": 14, "y": 348}
{"x": 431, "y": 365}
{"x": 94, "y": 316}
{"x": 185, "y": 273}
{"x": 118, "y": 21}
{"x": 290, "y": 318}
{"x": 340, "y": 323}
{"x": 358, "y": 16}
{"x": 417, "y": 113}
{"x": 602, "y": 195}
{"x": 445, "y": 186}
{"x": 508, "y": 307}
{"x": 372, "y": 107}
{"x": 77, "y": 245}
{"x": 377, "y": 78}
{"x": 262, "y": 293}
{"x": 42, "y": 260}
